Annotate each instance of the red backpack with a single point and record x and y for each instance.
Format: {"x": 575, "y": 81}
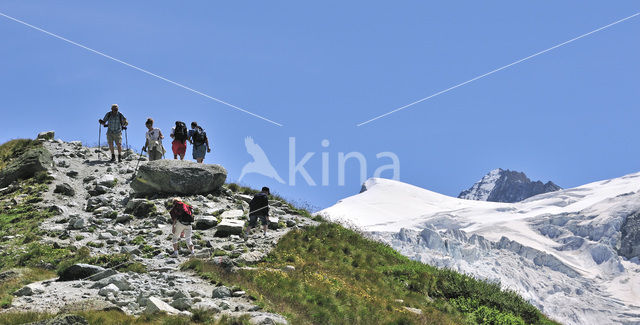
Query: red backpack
{"x": 182, "y": 212}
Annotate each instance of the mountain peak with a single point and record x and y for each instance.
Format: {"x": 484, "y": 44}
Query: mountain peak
{"x": 503, "y": 185}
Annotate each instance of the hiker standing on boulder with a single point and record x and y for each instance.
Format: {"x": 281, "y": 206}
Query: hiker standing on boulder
{"x": 259, "y": 208}
{"x": 154, "y": 141}
{"x": 179, "y": 134}
{"x": 181, "y": 218}
{"x": 116, "y": 122}
{"x": 198, "y": 138}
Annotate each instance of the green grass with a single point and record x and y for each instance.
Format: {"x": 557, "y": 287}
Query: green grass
{"x": 343, "y": 278}
{"x": 15, "y": 148}
{"x": 118, "y": 318}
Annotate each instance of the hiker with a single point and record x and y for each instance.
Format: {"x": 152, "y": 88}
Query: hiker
{"x": 154, "y": 141}
{"x": 259, "y": 208}
{"x": 198, "y": 138}
{"x": 115, "y": 122}
{"x": 181, "y": 218}
{"x": 179, "y": 134}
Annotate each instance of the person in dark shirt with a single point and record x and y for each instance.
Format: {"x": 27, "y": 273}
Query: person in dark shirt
{"x": 259, "y": 208}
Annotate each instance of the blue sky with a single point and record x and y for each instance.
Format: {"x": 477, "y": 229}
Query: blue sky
{"x": 569, "y": 115}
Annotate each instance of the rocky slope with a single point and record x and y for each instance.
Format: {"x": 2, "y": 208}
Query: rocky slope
{"x": 97, "y": 209}
{"x": 501, "y": 185}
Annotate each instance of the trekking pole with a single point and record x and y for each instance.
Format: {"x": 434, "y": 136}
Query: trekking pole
{"x": 99, "y": 134}
{"x": 137, "y": 164}
{"x": 126, "y": 137}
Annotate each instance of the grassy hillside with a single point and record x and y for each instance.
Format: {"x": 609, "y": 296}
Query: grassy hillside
{"x": 340, "y": 277}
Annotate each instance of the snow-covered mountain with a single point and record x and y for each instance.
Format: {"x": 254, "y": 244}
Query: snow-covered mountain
{"x": 574, "y": 253}
{"x": 502, "y": 185}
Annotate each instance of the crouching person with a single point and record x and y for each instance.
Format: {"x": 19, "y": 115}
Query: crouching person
{"x": 181, "y": 218}
{"x": 259, "y": 208}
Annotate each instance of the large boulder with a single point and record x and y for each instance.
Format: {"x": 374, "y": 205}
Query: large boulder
{"x": 33, "y": 161}
{"x": 228, "y": 227}
{"x": 155, "y": 305}
{"x": 178, "y": 177}
{"x": 47, "y": 135}
{"x": 79, "y": 271}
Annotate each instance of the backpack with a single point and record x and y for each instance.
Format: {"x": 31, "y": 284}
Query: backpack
{"x": 180, "y": 132}
{"x": 183, "y": 213}
{"x": 199, "y": 136}
{"x": 259, "y": 205}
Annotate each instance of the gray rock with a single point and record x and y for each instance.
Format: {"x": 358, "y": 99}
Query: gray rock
{"x": 98, "y": 190}
{"x": 107, "y": 181}
{"x": 205, "y": 222}
{"x": 182, "y": 303}
{"x": 119, "y": 280}
{"x": 47, "y": 135}
{"x": 207, "y": 305}
{"x": 79, "y": 271}
{"x": 77, "y": 223}
{"x": 267, "y": 319}
{"x": 102, "y": 275}
{"x": 72, "y": 173}
{"x": 180, "y": 177}
{"x": 630, "y": 241}
{"x": 506, "y": 186}
{"x": 274, "y": 223}
{"x": 228, "y": 227}
{"x": 64, "y": 189}
{"x": 221, "y": 292}
{"x": 124, "y": 218}
{"x": 109, "y": 289}
{"x": 155, "y": 305}
{"x": 27, "y": 165}
{"x": 140, "y": 208}
{"x": 63, "y": 320}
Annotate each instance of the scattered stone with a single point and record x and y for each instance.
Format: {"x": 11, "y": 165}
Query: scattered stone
{"x": 72, "y": 173}
{"x": 47, "y": 135}
{"x": 107, "y": 181}
{"x": 221, "y": 292}
{"x": 77, "y": 223}
{"x": 63, "y": 320}
{"x": 179, "y": 177}
{"x": 98, "y": 190}
{"x": 205, "y": 222}
{"x": 274, "y": 223}
{"x": 64, "y": 189}
{"x": 413, "y": 310}
{"x": 238, "y": 293}
{"x": 229, "y": 227}
{"x": 102, "y": 275}
{"x": 109, "y": 289}
{"x": 88, "y": 179}
{"x": 182, "y": 303}
{"x": 289, "y": 268}
{"x": 79, "y": 271}
{"x": 124, "y": 218}
{"x": 140, "y": 208}
{"x": 232, "y": 214}
{"x": 155, "y": 305}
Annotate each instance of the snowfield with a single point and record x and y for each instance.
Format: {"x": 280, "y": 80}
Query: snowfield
{"x": 559, "y": 250}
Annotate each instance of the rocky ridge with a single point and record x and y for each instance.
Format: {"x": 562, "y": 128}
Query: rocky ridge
{"x": 508, "y": 186}
{"x": 96, "y": 208}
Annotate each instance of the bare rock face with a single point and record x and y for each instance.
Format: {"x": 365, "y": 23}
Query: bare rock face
{"x": 501, "y": 185}
{"x": 25, "y": 166}
{"x": 630, "y": 241}
{"x": 178, "y": 177}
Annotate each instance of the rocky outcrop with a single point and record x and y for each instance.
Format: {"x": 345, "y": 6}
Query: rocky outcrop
{"x": 501, "y": 185}
{"x": 63, "y": 320}
{"x": 630, "y": 241}
{"x": 31, "y": 162}
{"x": 178, "y": 177}
{"x": 47, "y": 135}
{"x": 79, "y": 271}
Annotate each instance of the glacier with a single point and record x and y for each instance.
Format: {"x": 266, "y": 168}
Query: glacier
{"x": 572, "y": 253}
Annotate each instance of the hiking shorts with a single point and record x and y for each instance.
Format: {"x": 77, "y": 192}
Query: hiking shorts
{"x": 179, "y": 148}
{"x": 178, "y": 229}
{"x": 199, "y": 151}
{"x": 114, "y": 137}
{"x": 253, "y": 220}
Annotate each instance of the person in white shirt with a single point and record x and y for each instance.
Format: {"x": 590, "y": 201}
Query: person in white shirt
{"x": 154, "y": 141}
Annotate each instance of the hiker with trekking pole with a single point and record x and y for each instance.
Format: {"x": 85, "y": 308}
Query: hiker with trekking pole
{"x": 153, "y": 141}
{"x": 115, "y": 122}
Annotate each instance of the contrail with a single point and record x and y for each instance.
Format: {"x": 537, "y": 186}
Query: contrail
{"x": 140, "y": 69}
{"x": 496, "y": 70}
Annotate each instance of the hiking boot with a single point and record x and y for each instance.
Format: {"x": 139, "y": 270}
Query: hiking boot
{"x": 246, "y": 236}
{"x": 113, "y": 158}
{"x": 119, "y": 158}
{"x": 174, "y": 254}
